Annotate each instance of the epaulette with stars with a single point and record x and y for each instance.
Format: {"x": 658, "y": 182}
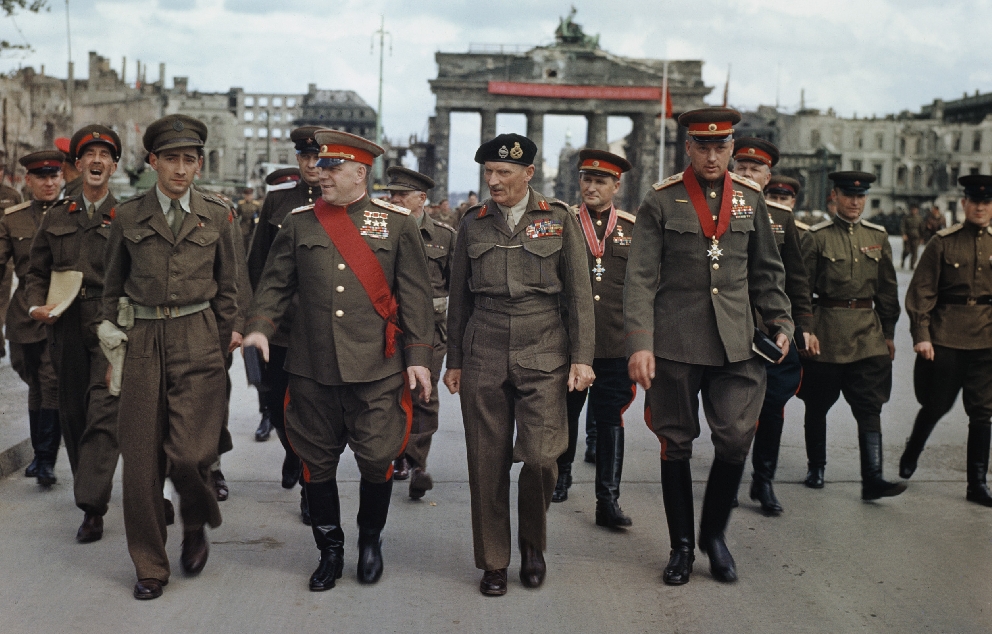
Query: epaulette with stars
{"x": 390, "y": 206}
{"x": 668, "y": 182}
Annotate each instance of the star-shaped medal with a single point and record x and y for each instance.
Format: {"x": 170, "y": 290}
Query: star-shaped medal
{"x": 714, "y": 251}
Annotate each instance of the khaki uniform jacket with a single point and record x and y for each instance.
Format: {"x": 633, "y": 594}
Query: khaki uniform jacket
{"x": 911, "y": 226}
{"x": 849, "y": 261}
{"x": 439, "y": 243}
{"x": 337, "y": 337}
{"x": 607, "y": 289}
{"x": 8, "y": 197}
{"x": 687, "y": 308}
{"x": 147, "y": 263}
{"x": 542, "y": 258}
{"x": 789, "y": 241}
{"x": 68, "y": 240}
{"x": 18, "y": 227}
{"x": 957, "y": 262}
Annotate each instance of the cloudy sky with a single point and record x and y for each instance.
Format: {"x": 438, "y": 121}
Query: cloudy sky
{"x": 859, "y": 57}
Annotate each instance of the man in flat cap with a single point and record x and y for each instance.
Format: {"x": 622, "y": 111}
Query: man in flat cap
{"x": 856, "y": 306}
{"x": 30, "y": 353}
{"x": 949, "y": 303}
{"x": 409, "y": 189}
{"x": 754, "y": 159}
{"x": 276, "y": 206}
{"x": 607, "y": 232}
{"x": 702, "y": 261}
{"x": 520, "y": 305}
{"x": 8, "y": 198}
{"x": 361, "y": 341}
{"x": 73, "y": 238}
{"x": 170, "y": 288}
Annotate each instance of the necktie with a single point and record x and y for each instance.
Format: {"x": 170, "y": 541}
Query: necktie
{"x": 90, "y": 211}
{"x": 175, "y": 217}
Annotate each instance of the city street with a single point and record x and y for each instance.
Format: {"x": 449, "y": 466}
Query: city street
{"x": 920, "y": 562}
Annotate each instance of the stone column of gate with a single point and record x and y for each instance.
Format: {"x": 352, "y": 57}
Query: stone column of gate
{"x": 596, "y": 131}
{"x": 440, "y": 135}
{"x": 644, "y": 156}
{"x": 535, "y": 132}
{"x": 487, "y": 131}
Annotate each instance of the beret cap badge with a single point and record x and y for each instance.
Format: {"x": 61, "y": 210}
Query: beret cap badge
{"x": 503, "y": 152}
{"x": 516, "y": 152}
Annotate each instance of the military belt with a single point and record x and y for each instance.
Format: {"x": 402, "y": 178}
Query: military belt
{"x": 843, "y": 303}
{"x": 531, "y": 306}
{"x": 168, "y": 312}
{"x": 91, "y": 292}
{"x": 961, "y": 300}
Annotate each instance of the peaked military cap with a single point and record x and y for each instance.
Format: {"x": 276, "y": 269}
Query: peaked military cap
{"x": 174, "y": 131}
{"x": 852, "y": 183}
{"x": 601, "y": 162}
{"x": 43, "y": 163}
{"x": 402, "y": 179}
{"x": 91, "y": 134}
{"x": 507, "y": 148}
{"x": 713, "y": 124}
{"x": 304, "y": 140}
{"x": 785, "y": 185}
{"x": 283, "y": 175}
{"x": 336, "y": 147}
{"x": 757, "y": 150}
{"x": 977, "y": 187}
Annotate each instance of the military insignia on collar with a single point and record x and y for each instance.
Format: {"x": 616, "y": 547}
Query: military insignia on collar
{"x": 73, "y": 207}
{"x": 739, "y": 209}
{"x": 375, "y": 225}
{"x": 503, "y": 152}
{"x": 517, "y": 151}
{"x": 546, "y": 228}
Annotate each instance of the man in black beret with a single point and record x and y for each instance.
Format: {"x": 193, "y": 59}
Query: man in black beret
{"x": 517, "y": 274}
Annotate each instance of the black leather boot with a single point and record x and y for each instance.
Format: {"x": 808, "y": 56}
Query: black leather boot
{"x": 816, "y": 449}
{"x": 922, "y": 426}
{"x": 676, "y": 488}
{"x": 49, "y": 435}
{"x": 609, "y": 469}
{"x": 264, "y": 427}
{"x": 373, "y": 507}
{"x": 720, "y": 490}
{"x": 564, "y": 482}
{"x": 764, "y": 459}
{"x": 873, "y": 486}
{"x": 325, "y": 510}
{"x": 305, "y": 506}
{"x": 32, "y": 469}
{"x": 979, "y": 436}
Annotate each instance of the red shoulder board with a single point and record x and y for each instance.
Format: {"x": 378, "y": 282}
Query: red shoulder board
{"x": 543, "y": 205}
{"x": 73, "y": 207}
{"x": 230, "y": 216}
{"x": 482, "y": 214}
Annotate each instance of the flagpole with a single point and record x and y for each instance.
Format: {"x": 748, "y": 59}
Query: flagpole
{"x": 664, "y": 120}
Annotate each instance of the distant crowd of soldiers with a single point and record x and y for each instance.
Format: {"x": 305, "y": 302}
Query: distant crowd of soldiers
{"x": 126, "y": 316}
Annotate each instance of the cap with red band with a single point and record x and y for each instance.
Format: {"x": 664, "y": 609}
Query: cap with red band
{"x": 94, "y": 134}
{"x": 710, "y": 124}
{"x": 283, "y": 175}
{"x": 603, "y": 162}
{"x": 782, "y": 185}
{"x": 756, "y": 150}
{"x": 43, "y": 162}
{"x": 336, "y": 147}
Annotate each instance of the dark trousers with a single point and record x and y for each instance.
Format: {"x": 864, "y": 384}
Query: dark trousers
{"x": 609, "y": 397}
{"x": 938, "y": 382}
{"x": 275, "y": 382}
{"x": 782, "y": 383}
{"x": 425, "y": 415}
{"x": 866, "y": 385}
{"x": 33, "y": 363}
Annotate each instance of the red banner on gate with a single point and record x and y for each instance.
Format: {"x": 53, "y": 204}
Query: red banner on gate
{"x": 572, "y": 91}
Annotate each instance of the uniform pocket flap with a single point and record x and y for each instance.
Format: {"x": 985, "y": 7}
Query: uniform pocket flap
{"x": 834, "y": 256}
{"x": 543, "y": 361}
{"x": 543, "y": 247}
{"x": 315, "y": 239}
{"x": 62, "y": 230}
{"x": 203, "y": 237}
{"x": 621, "y": 252}
{"x": 682, "y": 225}
{"x": 137, "y": 235}
{"x": 478, "y": 248}
{"x": 435, "y": 253}
{"x": 742, "y": 224}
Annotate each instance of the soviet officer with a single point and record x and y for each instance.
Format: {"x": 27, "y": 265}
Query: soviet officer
{"x": 170, "y": 287}
{"x": 409, "y": 189}
{"x": 30, "y": 352}
{"x": 519, "y": 268}
{"x": 362, "y": 338}
{"x": 276, "y": 206}
{"x": 73, "y": 237}
{"x": 754, "y": 158}
{"x": 949, "y": 303}
{"x": 8, "y": 198}
{"x": 608, "y": 232}
{"x": 856, "y": 306}
{"x": 703, "y": 256}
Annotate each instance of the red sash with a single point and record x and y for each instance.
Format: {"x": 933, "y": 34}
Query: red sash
{"x": 596, "y": 247}
{"x": 357, "y": 254}
{"x": 710, "y": 228}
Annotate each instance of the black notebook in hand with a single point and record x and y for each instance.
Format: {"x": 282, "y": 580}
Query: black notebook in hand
{"x": 253, "y": 365}
{"x": 766, "y": 346}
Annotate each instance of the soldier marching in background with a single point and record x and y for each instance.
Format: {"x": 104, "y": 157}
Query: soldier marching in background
{"x": 911, "y": 227}
{"x": 248, "y": 208}
{"x": 73, "y": 237}
{"x": 409, "y": 189}
{"x": 754, "y": 158}
{"x": 8, "y": 198}
{"x": 849, "y": 262}
{"x": 30, "y": 354}
{"x": 607, "y": 231}
{"x": 949, "y": 303}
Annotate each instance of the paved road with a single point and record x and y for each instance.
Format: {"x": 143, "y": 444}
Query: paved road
{"x": 831, "y": 563}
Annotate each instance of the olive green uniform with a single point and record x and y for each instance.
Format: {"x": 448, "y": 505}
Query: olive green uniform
{"x": 911, "y": 227}
{"x": 71, "y": 240}
{"x": 8, "y": 198}
{"x": 506, "y": 334}
{"x": 247, "y": 217}
{"x": 171, "y": 412}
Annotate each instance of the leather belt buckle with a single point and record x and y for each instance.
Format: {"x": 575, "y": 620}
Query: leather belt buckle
{"x": 82, "y": 292}
{"x": 166, "y": 313}
{"x": 851, "y": 303}
{"x": 971, "y": 301}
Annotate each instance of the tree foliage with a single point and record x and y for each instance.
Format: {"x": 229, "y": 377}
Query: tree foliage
{"x": 9, "y": 7}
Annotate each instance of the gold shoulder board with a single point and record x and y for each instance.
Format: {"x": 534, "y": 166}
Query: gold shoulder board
{"x": 23, "y": 205}
{"x": 746, "y": 182}
{"x": 802, "y": 226}
{"x": 629, "y": 217}
{"x": 949, "y": 230}
{"x": 390, "y": 206}
{"x": 822, "y": 225}
{"x": 872, "y": 225}
{"x": 300, "y": 210}
{"x": 668, "y": 182}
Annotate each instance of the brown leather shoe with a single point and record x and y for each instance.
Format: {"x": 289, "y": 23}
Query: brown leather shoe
{"x": 147, "y": 589}
{"x": 493, "y": 583}
{"x": 420, "y": 483}
{"x": 220, "y": 485}
{"x": 532, "y": 566}
{"x": 195, "y": 550}
{"x": 401, "y": 468}
{"x": 90, "y": 530}
{"x": 170, "y": 512}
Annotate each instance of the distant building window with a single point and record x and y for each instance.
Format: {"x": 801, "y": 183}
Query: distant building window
{"x": 859, "y": 141}
{"x": 263, "y": 101}
{"x": 973, "y": 171}
{"x": 249, "y": 133}
{"x": 277, "y": 116}
{"x": 249, "y": 102}
{"x": 249, "y": 115}
{"x": 952, "y": 206}
{"x": 876, "y": 203}
{"x": 277, "y": 102}
{"x": 919, "y": 145}
{"x": 917, "y": 177}
{"x": 880, "y": 141}
{"x": 976, "y": 142}
{"x": 876, "y": 169}
{"x": 289, "y": 117}
{"x": 276, "y": 133}
{"x": 955, "y": 172}
{"x": 929, "y": 176}
{"x": 290, "y": 102}
{"x": 284, "y": 158}
{"x": 856, "y": 166}
{"x": 901, "y": 176}
{"x": 956, "y": 143}
{"x": 814, "y": 138}
{"x": 902, "y": 146}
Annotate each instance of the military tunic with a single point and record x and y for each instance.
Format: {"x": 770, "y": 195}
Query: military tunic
{"x": 8, "y": 198}
{"x": 506, "y": 334}
{"x": 343, "y": 389}
{"x": 171, "y": 411}
{"x": 911, "y": 227}
{"x": 69, "y": 240}
{"x": 694, "y": 313}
